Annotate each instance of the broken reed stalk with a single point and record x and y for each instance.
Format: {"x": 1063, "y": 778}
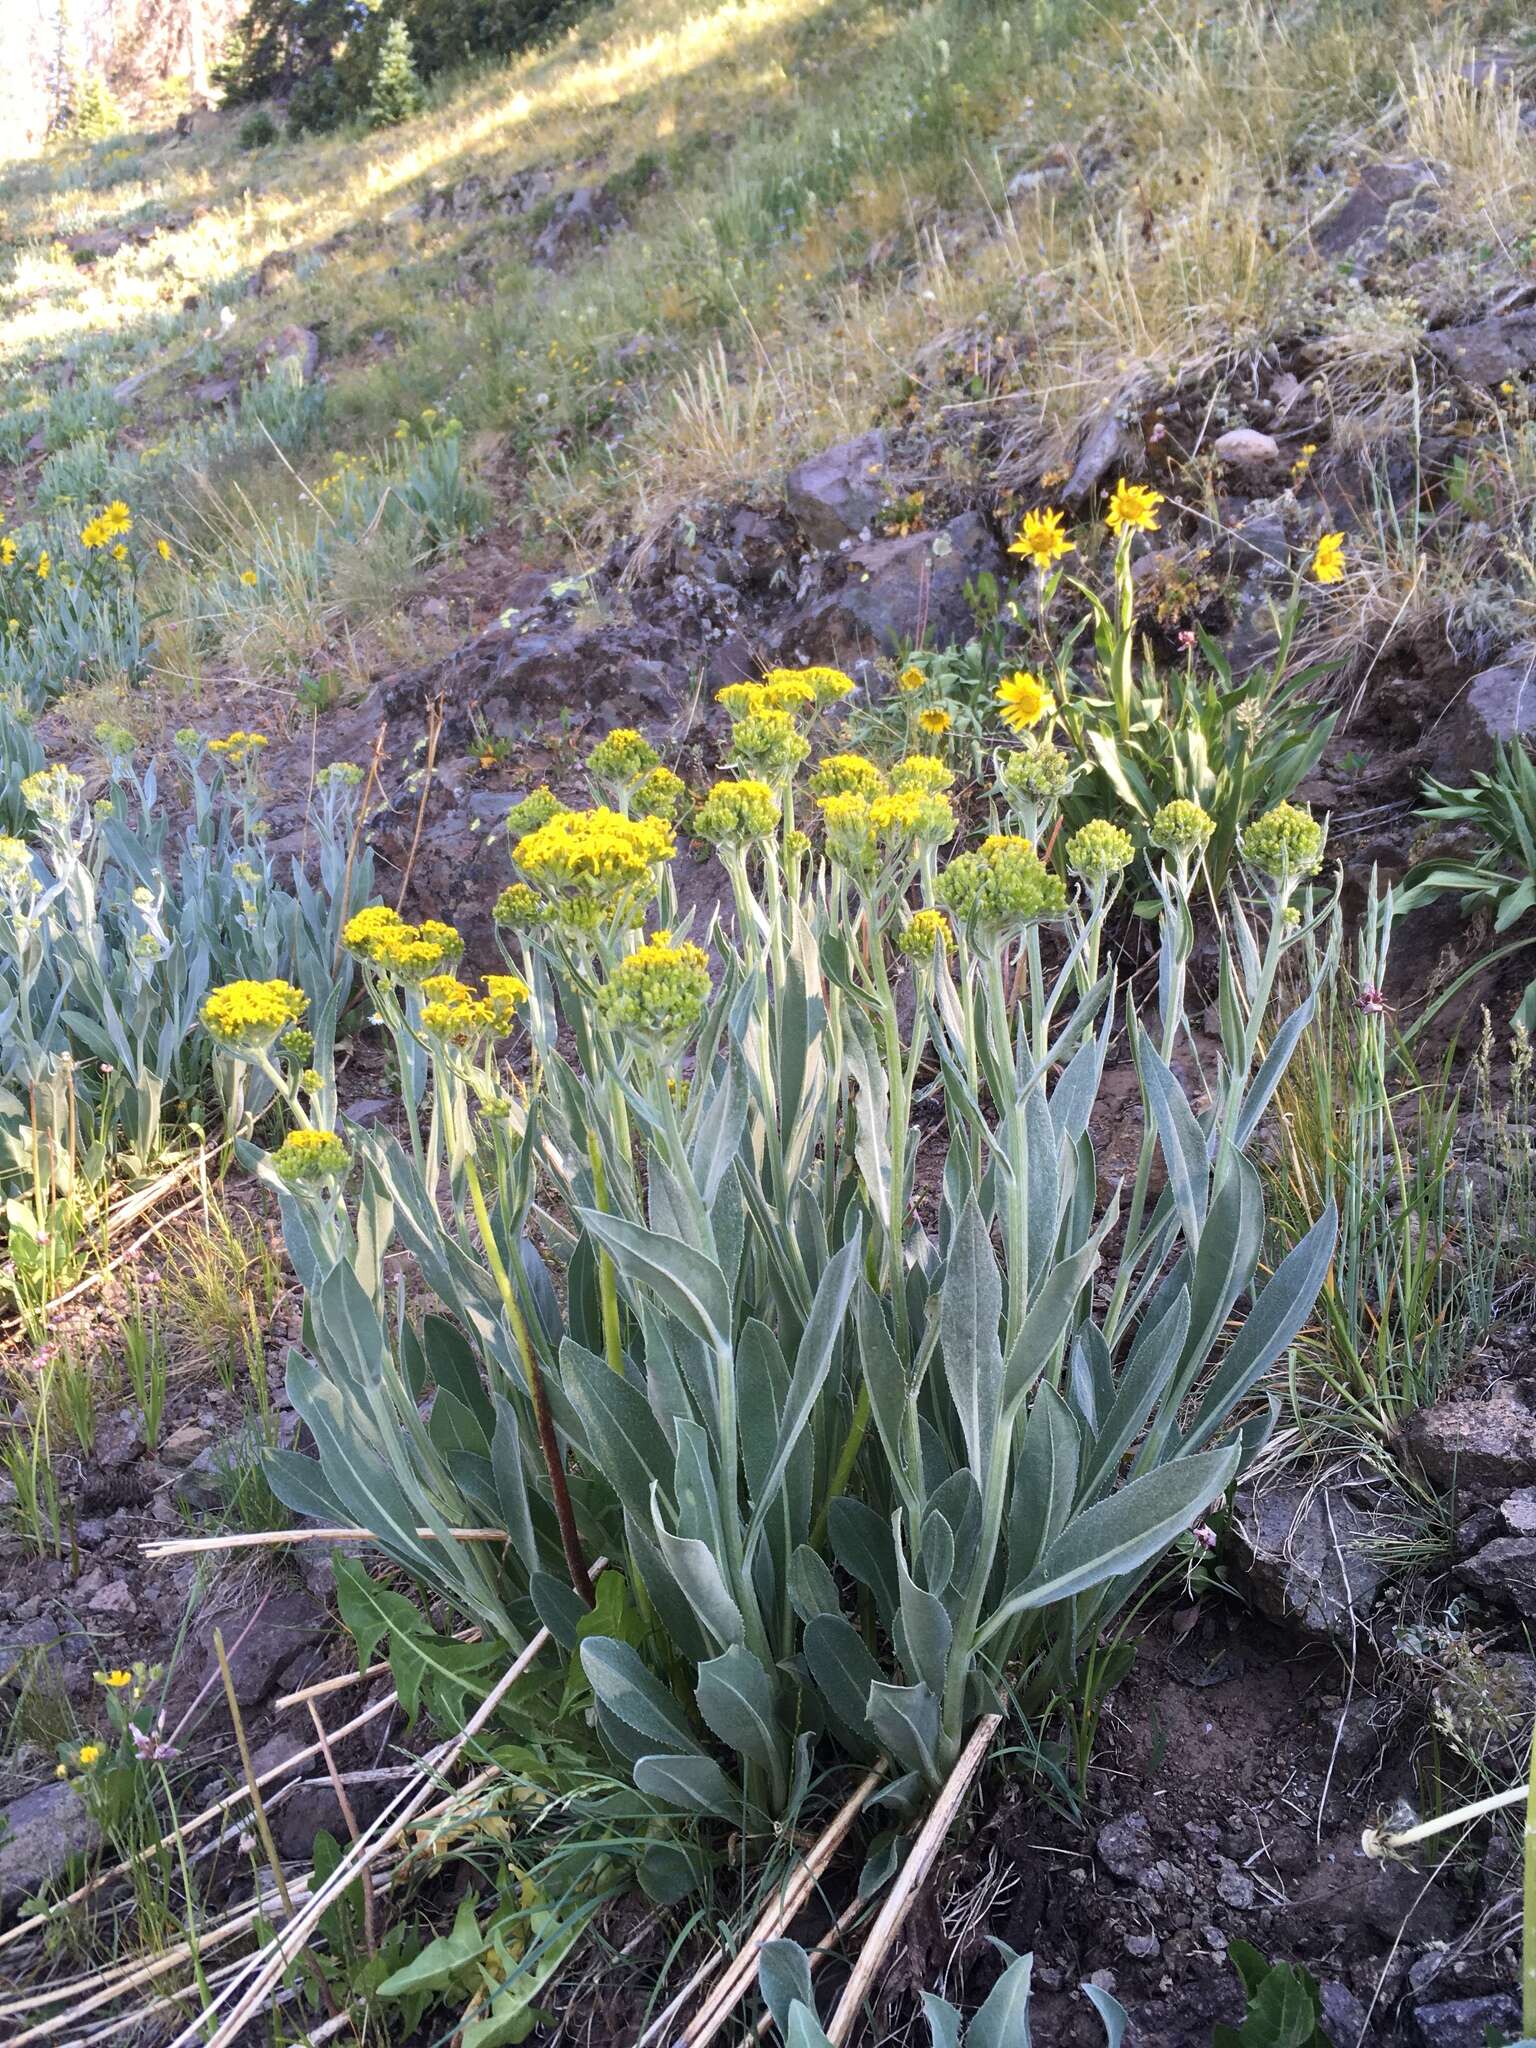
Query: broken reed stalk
{"x": 742, "y": 1967}
{"x": 359, "y": 827}
{"x": 260, "y": 1539}
{"x": 193, "y": 1826}
{"x": 263, "y": 1826}
{"x": 818, "y": 1955}
{"x": 115, "y": 1982}
{"x": 345, "y": 1680}
{"x": 434, "y": 734}
{"x": 381, "y": 1834}
{"x": 370, "y": 1934}
{"x": 908, "y": 1881}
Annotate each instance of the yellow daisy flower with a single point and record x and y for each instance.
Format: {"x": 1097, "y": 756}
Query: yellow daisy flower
{"x": 1023, "y": 700}
{"x": 1133, "y": 508}
{"x": 934, "y": 720}
{"x": 1042, "y": 538}
{"x": 1328, "y": 560}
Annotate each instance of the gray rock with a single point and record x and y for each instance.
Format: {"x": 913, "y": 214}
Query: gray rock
{"x": 1308, "y": 1556}
{"x": 38, "y": 1834}
{"x": 1144, "y": 1947}
{"x": 1464, "y": 2022}
{"x": 1518, "y": 1512}
{"x": 835, "y": 495}
{"x": 1504, "y": 1571}
{"x": 119, "y": 1439}
{"x": 576, "y": 220}
{"x": 1488, "y": 1444}
{"x": 295, "y": 343}
{"x": 1488, "y": 351}
{"x": 1498, "y": 704}
{"x": 1235, "y": 1887}
{"x": 1385, "y": 201}
{"x": 898, "y": 590}
{"x": 1343, "y": 2014}
{"x": 1110, "y": 437}
{"x": 1246, "y": 448}
{"x": 1125, "y": 1849}
{"x": 287, "y": 1623}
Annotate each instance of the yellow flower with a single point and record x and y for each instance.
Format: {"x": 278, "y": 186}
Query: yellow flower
{"x": 910, "y": 679}
{"x": 657, "y": 994}
{"x": 736, "y": 813}
{"x": 120, "y": 553}
{"x": 310, "y": 1156}
{"x": 1041, "y": 539}
{"x": 116, "y": 1679}
{"x": 925, "y": 772}
{"x": 1133, "y": 508}
{"x": 846, "y": 774}
{"x": 7, "y": 551}
{"x": 163, "y": 550}
{"x": 248, "y": 576}
{"x": 594, "y": 859}
{"x": 90, "y": 1754}
{"x": 43, "y": 567}
{"x": 1328, "y": 561}
{"x": 238, "y": 747}
{"x": 826, "y": 685}
{"x": 934, "y": 720}
{"x": 250, "y": 1016}
{"x": 1023, "y": 700}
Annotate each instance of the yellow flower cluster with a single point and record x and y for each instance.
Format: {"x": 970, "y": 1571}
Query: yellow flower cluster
{"x": 239, "y": 747}
{"x": 453, "y": 1012}
{"x": 108, "y": 525}
{"x": 767, "y": 744}
{"x": 858, "y": 829}
{"x": 306, "y": 1157}
{"x": 923, "y": 772}
{"x": 846, "y": 775}
{"x": 999, "y": 888}
{"x": 250, "y": 1016}
{"x": 737, "y": 813}
{"x": 622, "y": 757}
{"x": 1099, "y": 850}
{"x": 595, "y": 854}
{"x": 411, "y": 953}
{"x": 657, "y": 994}
{"x": 922, "y": 932}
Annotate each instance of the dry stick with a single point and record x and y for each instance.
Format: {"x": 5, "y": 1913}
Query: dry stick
{"x": 370, "y": 1937}
{"x": 909, "y": 1879}
{"x": 346, "y": 1679}
{"x": 193, "y": 1826}
{"x": 384, "y": 1831}
{"x": 819, "y": 1953}
{"x": 358, "y": 828}
{"x": 263, "y": 1828}
{"x": 128, "y": 1978}
{"x": 742, "y": 1967}
{"x": 191, "y": 1546}
{"x": 434, "y": 733}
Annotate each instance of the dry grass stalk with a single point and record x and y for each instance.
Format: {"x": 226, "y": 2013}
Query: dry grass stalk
{"x": 261, "y": 1539}
{"x": 742, "y": 1968}
{"x": 909, "y": 1880}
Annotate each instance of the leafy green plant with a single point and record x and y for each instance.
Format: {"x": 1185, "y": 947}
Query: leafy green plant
{"x": 1285, "y": 2008}
{"x": 1361, "y": 1129}
{"x": 762, "y": 1359}
{"x": 1500, "y": 876}
{"x": 1001, "y": 2021}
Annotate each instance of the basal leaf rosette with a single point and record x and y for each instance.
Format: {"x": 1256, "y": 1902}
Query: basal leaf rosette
{"x": 595, "y": 868}
{"x": 996, "y": 891}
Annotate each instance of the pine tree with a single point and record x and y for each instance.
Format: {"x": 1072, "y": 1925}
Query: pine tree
{"x": 395, "y": 94}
